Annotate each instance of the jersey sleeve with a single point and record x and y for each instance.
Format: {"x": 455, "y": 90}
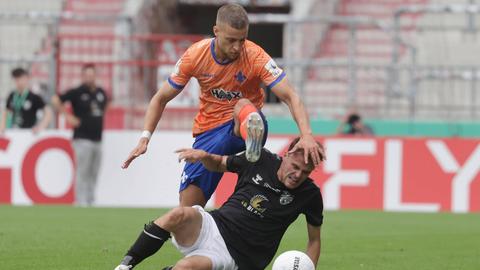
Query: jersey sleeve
{"x": 39, "y": 103}
{"x": 314, "y": 209}
{"x": 236, "y": 163}
{"x": 269, "y": 72}
{"x": 67, "y": 96}
{"x": 182, "y": 72}
{"x": 106, "y": 97}
{"x": 9, "y": 102}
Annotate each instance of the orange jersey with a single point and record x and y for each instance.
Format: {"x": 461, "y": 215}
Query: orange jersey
{"x": 223, "y": 84}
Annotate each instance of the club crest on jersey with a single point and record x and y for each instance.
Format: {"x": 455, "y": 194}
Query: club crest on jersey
{"x": 221, "y": 94}
{"x": 27, "y": 105}
{"x": 240, "y": 77}
{"x": 286, "y": 198}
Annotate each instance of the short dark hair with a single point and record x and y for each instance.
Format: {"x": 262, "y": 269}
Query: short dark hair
{"x": 19, "y": 72}
{"x": 88, "y": 66}
{"x": 353, "y": 118}
{"x": 295, "y": 141}
{"x": 234, "y": 15}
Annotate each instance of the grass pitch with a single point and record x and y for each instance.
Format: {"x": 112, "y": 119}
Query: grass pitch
{"x": 69, "y": 238}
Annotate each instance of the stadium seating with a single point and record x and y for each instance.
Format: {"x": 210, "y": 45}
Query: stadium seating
{"x": 21, "y": 41}
{"x": 76, "y": 49}
{"x": 329, "y": 87}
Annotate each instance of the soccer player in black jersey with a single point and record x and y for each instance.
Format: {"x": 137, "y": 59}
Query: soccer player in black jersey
{"x": 246, "y": 231}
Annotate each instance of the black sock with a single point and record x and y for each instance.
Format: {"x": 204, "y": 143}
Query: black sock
{"x": 148, "y": 242}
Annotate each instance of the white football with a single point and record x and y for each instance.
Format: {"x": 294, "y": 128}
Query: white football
{"x": 293, "y": 260}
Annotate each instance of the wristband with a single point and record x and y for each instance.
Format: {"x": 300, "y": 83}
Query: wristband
{"x": 146, "y": 134}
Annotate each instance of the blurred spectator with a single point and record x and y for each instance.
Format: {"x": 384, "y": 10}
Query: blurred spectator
{"x": 89, "y": 103}
{"x": 353, "y": 125}
{"x": 23, "y": 106}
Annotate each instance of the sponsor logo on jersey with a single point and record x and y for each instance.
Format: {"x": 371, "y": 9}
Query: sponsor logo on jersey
{"x": 256, "y": 205}
{"x": 221, "y": 94}
{"x": 100, "y": 97}
{"x": 95, "y": 109}
{"x": 257, "y": 179}
{"x": 267, "y": 185}
{"x": 183, "y": 178}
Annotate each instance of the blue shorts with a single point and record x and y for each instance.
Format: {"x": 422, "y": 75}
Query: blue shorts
{"x": 221, "y": 141}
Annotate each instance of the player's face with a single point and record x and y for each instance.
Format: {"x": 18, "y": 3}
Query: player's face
{"x": 230, "y": 41}
{"x": 358, "y": 125}
{"x": 88, "y": 76}
{"x": 294, "y": 171}
{"x": 21, "y": 83}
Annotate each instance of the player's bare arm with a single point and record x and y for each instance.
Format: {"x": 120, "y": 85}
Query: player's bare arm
{"x": 314, "y": 243}
{"x": 3, "y": 121}
{"x": 212, "y": 162}
{"x": 153, "y": 115}
{"x": 285, "y": 92}
{"x": 47, "y": 117}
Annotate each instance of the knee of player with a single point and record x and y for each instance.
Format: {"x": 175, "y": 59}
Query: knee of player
{"x": 175, "y": 217}
{"x": 242, "y": 102}
{"x": 185, "y": 265}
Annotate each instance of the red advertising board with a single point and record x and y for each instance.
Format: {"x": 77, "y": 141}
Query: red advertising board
{"x": 391, "y": 174}
{"x": 28, "y": 168}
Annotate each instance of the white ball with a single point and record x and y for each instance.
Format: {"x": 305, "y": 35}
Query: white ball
{"x": 293, "y": 260}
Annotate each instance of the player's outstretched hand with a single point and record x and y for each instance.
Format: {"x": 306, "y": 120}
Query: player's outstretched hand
{"x": 310, "y": 147}
{"x": 140, "y": 149}
{"x": 190, "y": 155}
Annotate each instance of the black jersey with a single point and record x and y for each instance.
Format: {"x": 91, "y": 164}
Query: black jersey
{"x": 23, "y": 108}
{"x": 89, "y": 106}
{"x": 253, "y": 220}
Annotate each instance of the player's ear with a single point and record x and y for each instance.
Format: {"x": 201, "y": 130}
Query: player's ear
{"x": 215, "y": 30}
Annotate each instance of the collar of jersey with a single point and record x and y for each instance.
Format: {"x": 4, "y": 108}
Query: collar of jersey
{"x": 86, "y": 88}
{"x": 212, "y": 50}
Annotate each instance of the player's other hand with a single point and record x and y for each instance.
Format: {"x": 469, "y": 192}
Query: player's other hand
{"x": 190, "y": 155}
{"x": 72, "y": 120}
{"x": 311, "y": 148}
{"x": 140, "y": 149}
{"x": 36, "y": 130}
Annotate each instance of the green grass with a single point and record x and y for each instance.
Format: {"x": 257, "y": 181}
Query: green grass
{"x": 68, "y": 238}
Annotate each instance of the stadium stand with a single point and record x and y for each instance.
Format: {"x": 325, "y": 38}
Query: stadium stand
{"x": 328, "y": 87}
{"x": 22, "y": 41}
{"x": 81, "y": 41}
{"x": 333, "y": 73}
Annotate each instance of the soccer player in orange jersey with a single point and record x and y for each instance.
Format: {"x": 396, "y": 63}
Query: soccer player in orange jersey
{"x": 229, "y": 69}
